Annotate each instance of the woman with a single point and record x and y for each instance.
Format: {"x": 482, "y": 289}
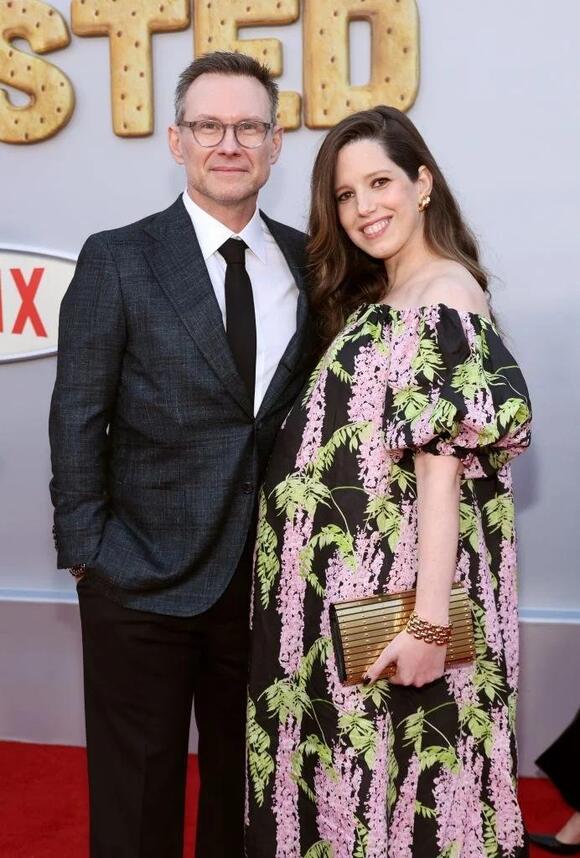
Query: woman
{"x": 391, "y": 472}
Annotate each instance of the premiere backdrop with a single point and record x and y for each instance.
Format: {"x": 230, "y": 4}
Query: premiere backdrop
{"x": 497, "y": 100}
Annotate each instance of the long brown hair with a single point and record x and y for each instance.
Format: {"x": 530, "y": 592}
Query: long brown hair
{"x": 343, "y": 276}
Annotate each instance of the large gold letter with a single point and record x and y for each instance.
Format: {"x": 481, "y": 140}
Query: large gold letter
{"x": 129, "y": 25}
{"x": 52, "y": 97}
{"x": 216, "y": 29}
{"x": 328, "y": 95}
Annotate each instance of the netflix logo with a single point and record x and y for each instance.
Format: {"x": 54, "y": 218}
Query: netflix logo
{"x": 32, "y": 286}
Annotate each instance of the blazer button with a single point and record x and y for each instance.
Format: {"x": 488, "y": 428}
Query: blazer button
{"x": 247, "y": 488}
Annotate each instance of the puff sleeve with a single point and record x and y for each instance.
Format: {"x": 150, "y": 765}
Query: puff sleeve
{"x": 454, "y": 389}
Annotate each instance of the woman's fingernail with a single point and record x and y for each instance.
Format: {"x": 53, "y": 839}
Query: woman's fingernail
{"x": 366, "y": 679}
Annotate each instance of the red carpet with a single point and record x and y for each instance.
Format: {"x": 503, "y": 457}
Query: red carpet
{"x": 43, "y": 803}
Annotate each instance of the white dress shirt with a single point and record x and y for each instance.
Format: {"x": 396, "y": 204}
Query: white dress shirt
{"x": 273, "y": 286}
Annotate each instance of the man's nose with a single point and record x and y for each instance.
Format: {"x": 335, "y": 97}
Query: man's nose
{"x": 229, "y": 144}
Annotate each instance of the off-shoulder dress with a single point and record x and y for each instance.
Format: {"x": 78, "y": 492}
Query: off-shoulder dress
{"x": 386, "y": 771}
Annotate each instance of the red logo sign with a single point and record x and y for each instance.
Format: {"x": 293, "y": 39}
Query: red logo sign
{"x": 32, "y": 286}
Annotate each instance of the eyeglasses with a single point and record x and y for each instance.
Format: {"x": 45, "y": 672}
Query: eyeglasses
{"x": 250, "y": 133}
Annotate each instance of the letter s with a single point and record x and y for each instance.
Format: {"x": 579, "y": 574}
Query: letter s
{"x": 51, "y": 93}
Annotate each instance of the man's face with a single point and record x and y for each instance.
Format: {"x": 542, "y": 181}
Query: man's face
{"x": 227, "y": 174}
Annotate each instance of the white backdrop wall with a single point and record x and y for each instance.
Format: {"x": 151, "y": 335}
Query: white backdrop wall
{"x": 498, "y": 104}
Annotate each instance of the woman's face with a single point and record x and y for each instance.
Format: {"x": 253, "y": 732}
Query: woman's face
{"x": 377, "y": 203}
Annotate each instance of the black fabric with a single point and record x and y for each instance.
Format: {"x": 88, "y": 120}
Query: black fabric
{"x": 560, "y": 762}
{"x": 141, "y": 672}
{"x": 240, "y": 313}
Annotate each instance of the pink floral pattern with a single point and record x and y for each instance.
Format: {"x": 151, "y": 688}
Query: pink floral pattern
{"x": 366, "y": 404}
{"x": 290, "y": 596}
{"x": 401, "y": 827}
{"x": 312, "y": 435}
{"x": 285, "y": 798}
{"x": 457, "y": 799}
{"x": 486, "y": 592}
{"x": 378, "y": 836}
{"x": 502, "y": 785}
{"x": 379, "y": 772}
{"x": 337, "y": 795}
{"x": 342, "y": 584}
{"x": 508, "y": 609}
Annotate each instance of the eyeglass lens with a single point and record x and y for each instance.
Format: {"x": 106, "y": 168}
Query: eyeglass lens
{"x": 211, "y": 132}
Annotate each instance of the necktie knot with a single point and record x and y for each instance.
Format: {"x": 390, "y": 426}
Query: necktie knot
{"x": 234, "y": 251}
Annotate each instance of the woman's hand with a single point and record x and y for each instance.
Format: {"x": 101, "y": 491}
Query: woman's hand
{"x": 416, "y": 662}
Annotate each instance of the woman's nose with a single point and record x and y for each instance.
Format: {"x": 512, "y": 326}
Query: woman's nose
{"x": 365, "y": 205}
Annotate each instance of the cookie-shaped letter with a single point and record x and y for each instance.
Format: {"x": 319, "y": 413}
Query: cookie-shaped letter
{"x": 51, "y": 94}
{"x": 216, "y": 29}
{"x": 328, "y": 95}
{"x": 129, "y": 25}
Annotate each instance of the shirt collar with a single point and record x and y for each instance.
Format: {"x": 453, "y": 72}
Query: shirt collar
{"x": 212, "y": 233}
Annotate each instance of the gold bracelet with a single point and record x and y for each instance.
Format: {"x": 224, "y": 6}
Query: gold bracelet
{"x": 428, "y": 632}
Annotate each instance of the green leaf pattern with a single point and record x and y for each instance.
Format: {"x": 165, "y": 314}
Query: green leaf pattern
{"x": 361, "y": 757}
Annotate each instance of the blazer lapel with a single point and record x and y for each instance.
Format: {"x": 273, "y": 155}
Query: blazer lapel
{"x": 295, "y": 348}
{"x": 178, "y": 265}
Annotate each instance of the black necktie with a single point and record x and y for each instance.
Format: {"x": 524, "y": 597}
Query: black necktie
{"x": 240, "y": 316}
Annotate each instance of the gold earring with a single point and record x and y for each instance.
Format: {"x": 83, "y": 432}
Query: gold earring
{"x": 424, "y": 203}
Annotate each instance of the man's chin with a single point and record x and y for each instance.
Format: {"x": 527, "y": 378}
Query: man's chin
{"x": 232, "y": 196}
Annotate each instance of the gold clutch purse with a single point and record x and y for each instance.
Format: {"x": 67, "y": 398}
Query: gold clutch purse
{"x": 362, "y": 628}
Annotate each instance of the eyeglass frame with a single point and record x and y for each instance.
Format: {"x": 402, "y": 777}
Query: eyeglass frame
{"x": 233, "y": 125}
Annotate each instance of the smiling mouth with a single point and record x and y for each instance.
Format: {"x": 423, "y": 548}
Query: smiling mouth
{"x": 372, "y": 230}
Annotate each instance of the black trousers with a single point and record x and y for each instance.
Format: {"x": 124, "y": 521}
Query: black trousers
{"x": 561, "y": 760}
{"x": 142, "y": 671}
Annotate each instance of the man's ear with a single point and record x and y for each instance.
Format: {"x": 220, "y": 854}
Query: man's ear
{"x": 277, "y": 136}
{"x": 174, "y": 140}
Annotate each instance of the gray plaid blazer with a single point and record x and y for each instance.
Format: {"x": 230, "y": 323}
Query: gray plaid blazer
{"x": 156, "y": 455}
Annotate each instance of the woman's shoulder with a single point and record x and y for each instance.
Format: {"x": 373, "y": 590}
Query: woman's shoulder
{"x": 454, "y": 286}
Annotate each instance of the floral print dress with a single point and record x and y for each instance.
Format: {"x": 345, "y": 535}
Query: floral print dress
{"x": 386, "y": 771}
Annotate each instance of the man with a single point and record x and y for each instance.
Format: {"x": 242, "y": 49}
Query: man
{"x": 181, "y": 343}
